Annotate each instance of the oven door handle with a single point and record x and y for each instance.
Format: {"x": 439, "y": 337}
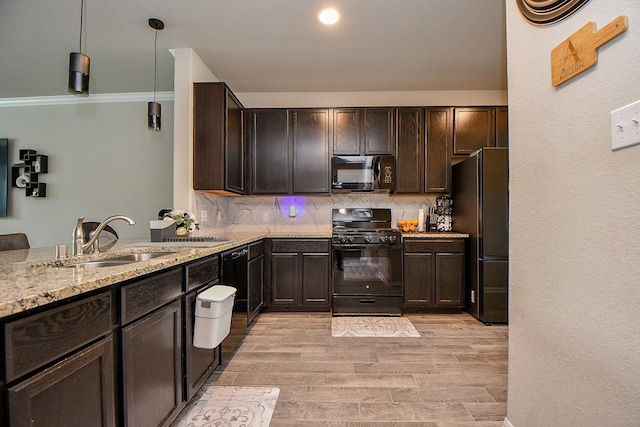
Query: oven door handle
{"x": 365, "y": 246}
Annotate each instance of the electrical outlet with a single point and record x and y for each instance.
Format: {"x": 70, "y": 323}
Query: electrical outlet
{"x": 203, "y": 215}
{"x": 625, "y": 126}
{"x": 265, "y": 216}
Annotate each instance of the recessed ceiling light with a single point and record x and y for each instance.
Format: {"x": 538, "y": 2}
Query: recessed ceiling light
{"x": 329, "y": 16}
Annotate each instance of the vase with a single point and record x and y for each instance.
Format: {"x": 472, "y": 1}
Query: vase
{"x": 182, "y": 232}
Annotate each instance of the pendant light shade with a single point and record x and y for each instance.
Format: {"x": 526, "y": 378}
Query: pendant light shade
{"x": 78, "y": 74}
{"x": 154, "y": 116}
{"x": 154, "y": 109}
{"x": 79, "y": 66}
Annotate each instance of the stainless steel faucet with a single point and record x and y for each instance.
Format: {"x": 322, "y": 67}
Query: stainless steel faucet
{"x": 80, "y": 247}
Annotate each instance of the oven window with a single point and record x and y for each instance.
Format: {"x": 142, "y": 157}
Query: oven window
{"x": 371, "y": 265}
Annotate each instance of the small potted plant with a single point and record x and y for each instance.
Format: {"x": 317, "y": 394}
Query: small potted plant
{"x": 185, "y": 221}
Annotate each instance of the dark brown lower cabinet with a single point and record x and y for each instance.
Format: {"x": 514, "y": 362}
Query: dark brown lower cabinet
{"x": 61, "y": 366}
{"x": 151, "y": 368}
{"x": 199, "y": 362}
{"x": 298, "y": 274}
{"x": 434, "y": 273}
{"x": 255, "y": 280}
{"x": 78, "y": 391}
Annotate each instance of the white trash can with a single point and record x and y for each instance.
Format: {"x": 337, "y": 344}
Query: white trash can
{"x": 213, "y": 316}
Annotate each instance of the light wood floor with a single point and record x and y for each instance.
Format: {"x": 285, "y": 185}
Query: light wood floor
{"x": 454, "y": 375}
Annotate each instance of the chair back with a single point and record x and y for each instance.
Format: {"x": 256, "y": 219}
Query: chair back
{"x": 13, "y": 241}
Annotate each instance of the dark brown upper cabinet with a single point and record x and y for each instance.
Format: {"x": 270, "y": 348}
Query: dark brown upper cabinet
{"x": 502, "y": 127}
{"x": 439, "y": 137}
{"x": 310, "y": 130}
{"x": 290, "y": 152}
{"x": 423, "y": 159}
{"x": 474, "y": 128}
{"x": 410, "y": 150}
{"x": 219, "y": 141}
{"x": 270, "y": 172}
{"x": 363, "y": 131}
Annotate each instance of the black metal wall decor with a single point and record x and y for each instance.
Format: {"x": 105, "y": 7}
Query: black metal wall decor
{"x": 27, "y": 174}
{"x": 545, "y": 12}
{"x": 4, "y": 173}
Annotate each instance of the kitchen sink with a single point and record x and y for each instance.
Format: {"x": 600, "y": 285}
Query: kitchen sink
{"x": 96, "y": 264}
{"x": 142, "y": 256}
{"x": 117, "y": 260}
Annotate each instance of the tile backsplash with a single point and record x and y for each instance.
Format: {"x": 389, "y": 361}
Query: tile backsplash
{"x": 313, "y": 213}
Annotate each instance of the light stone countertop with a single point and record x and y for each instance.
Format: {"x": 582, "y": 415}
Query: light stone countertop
{"x": 30, "y": 278}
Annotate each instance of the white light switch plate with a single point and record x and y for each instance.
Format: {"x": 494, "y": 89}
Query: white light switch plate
{"x": 625, "y": 126}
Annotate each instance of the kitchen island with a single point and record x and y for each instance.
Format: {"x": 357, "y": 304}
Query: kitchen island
{"x": 108, "y": 345}
{"x": 31, "y": 278}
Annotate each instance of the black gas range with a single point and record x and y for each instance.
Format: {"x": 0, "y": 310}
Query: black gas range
{"x": 367, "y": 263}
{"x": 370, "y": 226}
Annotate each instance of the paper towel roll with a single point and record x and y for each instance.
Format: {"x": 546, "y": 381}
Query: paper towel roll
{"x": 23, "y": 180}
{"x": 421, "y": 220}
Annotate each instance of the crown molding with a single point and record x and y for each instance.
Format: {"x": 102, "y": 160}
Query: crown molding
{"x": 100, "y": 98}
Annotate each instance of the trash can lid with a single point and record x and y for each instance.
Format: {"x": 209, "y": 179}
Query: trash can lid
{"x": 217, "y": 293}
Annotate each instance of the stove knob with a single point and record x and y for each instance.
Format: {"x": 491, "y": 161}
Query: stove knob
{"x": 383, "y": 239}
{"x": 350, "y": 239}
{"x": 367, "y": 239}
{"x": 342, "y": 239}
{"x": 392, "y": 239}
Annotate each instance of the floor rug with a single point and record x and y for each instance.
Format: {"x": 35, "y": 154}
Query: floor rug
{"x": 372, "y": 327}
{"x": 231, "y": 407}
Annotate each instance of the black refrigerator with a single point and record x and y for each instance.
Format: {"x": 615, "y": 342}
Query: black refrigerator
{"x": 481, "y": 209}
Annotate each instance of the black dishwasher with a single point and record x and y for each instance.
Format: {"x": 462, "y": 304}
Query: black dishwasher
{"x": 234, "y": 273}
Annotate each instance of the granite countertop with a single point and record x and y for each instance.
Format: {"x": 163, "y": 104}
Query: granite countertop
{"x": 30, "y": 278}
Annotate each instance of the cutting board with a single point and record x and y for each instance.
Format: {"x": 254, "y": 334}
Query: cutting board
{"x": 579, "y": 52}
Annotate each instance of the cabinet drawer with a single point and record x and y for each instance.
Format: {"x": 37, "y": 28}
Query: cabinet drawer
{"x": 367, "y": 305}
{"x": 432, "y": 245}
{"x": 256, "y": 249}
{"x": 300, "y": 245}
{"x": 36, "y": 340}
{"x": 144, "y": 296}
{"x": 202, "y": 272}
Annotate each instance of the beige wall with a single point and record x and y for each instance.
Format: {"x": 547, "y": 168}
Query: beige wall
{"x": 102, "y": 161}
{"x": 188, "y": 68}
{"x": 574, "y": 229}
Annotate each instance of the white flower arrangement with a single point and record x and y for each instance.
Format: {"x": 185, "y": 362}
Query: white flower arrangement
{"x": 185, "y": 222}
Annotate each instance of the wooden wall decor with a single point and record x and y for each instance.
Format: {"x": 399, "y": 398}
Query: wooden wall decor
{"x": 579, "y": 52}
{"x": 545, "y": 12}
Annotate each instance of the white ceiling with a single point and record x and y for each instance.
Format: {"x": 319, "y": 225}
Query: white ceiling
{"x": 257, "y": 45}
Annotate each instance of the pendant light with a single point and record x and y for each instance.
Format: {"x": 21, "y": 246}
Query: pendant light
{"x": 154, "y": 108}
{"x": 79, "y": 66}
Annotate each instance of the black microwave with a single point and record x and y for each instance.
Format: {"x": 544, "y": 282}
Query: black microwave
{"x": 363, "y": 173}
